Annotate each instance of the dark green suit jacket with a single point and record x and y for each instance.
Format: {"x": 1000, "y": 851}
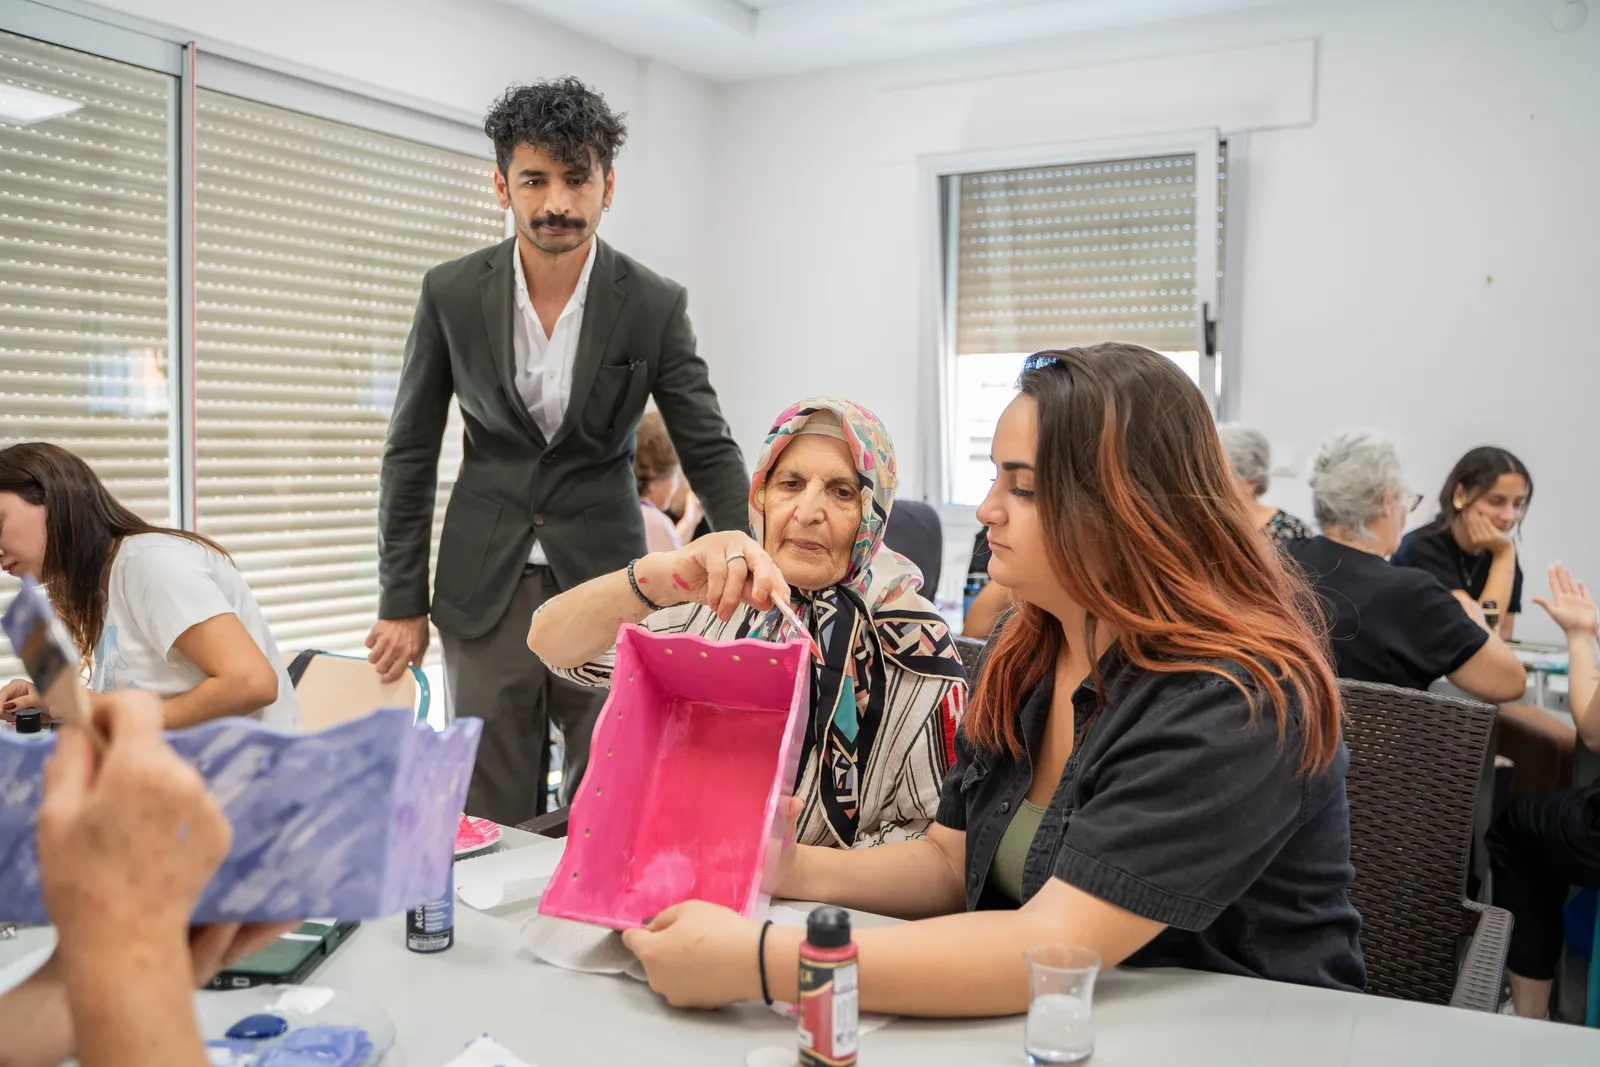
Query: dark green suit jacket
{"x": 575, "y": 492}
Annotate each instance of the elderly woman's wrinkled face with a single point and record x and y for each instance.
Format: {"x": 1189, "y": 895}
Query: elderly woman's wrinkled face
{"x": 812, "y": 504}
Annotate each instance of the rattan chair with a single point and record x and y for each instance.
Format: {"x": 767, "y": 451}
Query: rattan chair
{"x": 1416, "y": 761}
{"x": 971, "y": 650}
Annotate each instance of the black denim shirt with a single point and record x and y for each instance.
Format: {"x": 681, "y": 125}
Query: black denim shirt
{"x": 1177, "y": 806}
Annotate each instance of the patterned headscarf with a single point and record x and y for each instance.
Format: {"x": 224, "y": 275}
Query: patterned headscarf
{"x": 872, "y": 618}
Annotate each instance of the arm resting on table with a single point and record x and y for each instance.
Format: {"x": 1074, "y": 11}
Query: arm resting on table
{"x": 969, "y": 964}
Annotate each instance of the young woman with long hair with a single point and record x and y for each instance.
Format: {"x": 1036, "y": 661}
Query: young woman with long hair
{"x": 1468, "y": 546}
{"x": 148, "y": 607}
{"x": 1152, "y": 764}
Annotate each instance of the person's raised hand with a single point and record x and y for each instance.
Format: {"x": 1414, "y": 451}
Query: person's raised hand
{"x": 127, "y": 840}
{"x": 395, "y": 643}
{"x": 1570, "y": 604}
{"x": 720, "y": 570}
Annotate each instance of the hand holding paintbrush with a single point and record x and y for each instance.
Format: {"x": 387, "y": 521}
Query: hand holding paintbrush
{"x": 45, "y": 648}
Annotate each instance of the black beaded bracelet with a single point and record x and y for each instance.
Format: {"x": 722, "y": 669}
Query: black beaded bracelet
{"x": 651, "y": 604}
{"x": 761, "y": 961}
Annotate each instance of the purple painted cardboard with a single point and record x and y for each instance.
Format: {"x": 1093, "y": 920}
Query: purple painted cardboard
{"x": 354, "y": 822}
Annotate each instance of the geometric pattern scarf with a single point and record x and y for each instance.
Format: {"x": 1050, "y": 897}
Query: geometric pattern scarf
{"x": 872, "y": 618}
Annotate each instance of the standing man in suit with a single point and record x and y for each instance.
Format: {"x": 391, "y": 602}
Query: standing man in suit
{"x": 551, "y": 341}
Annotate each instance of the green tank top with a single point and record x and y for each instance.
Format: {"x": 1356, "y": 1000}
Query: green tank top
{"x": 1006, "y": 873}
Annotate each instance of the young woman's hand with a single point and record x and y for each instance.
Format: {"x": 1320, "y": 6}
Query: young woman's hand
{"x": 18, "y": 696}
{"x": 699, "y": 955}
{"x": 1483, "y": 535}
{"x": 1570, "y": 604}
{"x": 719, "y": 570}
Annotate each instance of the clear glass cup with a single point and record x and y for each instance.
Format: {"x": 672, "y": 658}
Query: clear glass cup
{"x": 1060, "y": 1027}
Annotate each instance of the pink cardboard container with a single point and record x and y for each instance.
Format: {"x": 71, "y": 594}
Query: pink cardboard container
{"x": 695, "y": 750}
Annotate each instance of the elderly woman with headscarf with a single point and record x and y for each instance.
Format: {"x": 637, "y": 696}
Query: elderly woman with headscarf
{"x": 889, "y": 687}
{"x": 1250, "y": 456}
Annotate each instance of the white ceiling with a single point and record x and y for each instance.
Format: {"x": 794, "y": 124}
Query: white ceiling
{"x": 737, "y": 40}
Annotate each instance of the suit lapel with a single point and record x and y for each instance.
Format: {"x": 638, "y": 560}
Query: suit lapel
{"x": 601, "y": 309}
{"x": 497, "y": 288}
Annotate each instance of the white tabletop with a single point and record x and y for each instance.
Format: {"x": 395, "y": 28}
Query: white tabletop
{"x": 554, "y": 1018}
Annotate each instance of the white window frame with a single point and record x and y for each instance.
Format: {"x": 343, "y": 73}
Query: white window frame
{"x": 236, "y": 71}
{"x": 1218, "y": 375}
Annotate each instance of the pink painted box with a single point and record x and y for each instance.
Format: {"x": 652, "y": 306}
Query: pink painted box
{"x": 692, "y": 760}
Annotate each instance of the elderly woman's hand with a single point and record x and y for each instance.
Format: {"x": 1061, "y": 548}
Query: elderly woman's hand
{"x": 719, "y": 570}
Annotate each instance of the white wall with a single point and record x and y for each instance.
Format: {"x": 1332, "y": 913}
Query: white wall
{"x": 1454, "y": 141}
{"x": 459, "y": 55}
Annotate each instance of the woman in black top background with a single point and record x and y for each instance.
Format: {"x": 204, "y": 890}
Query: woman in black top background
{"x": 1158, "y": 698}
{"x": 1468, "y": 546}
{"x": 1395, "y": 625}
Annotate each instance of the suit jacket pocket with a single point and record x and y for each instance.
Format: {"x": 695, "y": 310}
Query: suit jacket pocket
{"x": 614, "y": 388}
{"x": 469, "y": 524}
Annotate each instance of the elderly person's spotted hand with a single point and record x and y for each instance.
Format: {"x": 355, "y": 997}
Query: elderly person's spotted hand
{"x": 719, "y": 570}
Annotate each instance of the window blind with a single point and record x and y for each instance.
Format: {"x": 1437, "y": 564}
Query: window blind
{"x": 84, "y": 169}
{"x": 1050, "y": 257}
{"x": 312, "y": 240}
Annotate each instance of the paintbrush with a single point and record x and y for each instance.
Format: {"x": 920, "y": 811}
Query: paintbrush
{"x": 45, "y": 648}
{"x": 787, "y": 611}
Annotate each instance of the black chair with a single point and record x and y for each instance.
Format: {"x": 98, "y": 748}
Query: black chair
{"x": 1416, "y": 764}
{"x": 916, "y": 533}
{"x": 971, "y": 650}
{"x": 550, "y": 824}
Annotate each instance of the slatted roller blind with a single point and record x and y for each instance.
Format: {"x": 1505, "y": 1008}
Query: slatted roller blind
{"x": 83, "y": 267}
{"x": 313, "y": 238}
{"x": 1049, "y": 257}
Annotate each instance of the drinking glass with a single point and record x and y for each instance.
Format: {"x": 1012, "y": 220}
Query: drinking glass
{"x": 1060, "y": 1026}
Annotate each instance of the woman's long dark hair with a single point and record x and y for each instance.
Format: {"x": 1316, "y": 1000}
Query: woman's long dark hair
{"x": 84, "y": 526}
{"x": 1143, "y": 528}
{"x": 1475, "y": 474}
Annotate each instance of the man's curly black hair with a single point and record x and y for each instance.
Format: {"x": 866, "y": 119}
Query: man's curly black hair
{"x": 563, "y": 116}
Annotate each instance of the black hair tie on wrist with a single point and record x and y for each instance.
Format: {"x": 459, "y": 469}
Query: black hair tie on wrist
{"x": 761, "y": 961}
{"x": 634, "y": 582}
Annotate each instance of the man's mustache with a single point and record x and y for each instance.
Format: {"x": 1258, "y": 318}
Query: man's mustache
{"x": 560, "y": 222}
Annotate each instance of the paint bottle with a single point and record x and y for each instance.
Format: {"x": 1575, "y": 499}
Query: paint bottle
{"x": 30, "y": 722}
{"x": 830, "y": 1000}
{"x": 431, "y": 927}
{"x": 1491, "y": 614}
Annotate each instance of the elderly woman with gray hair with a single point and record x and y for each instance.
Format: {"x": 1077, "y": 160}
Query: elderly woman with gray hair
{"x": 1391, "y": 624}
{"x": 1250, "y": 456}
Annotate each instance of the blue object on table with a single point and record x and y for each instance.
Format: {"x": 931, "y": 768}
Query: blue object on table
{"x": 320, "y": 1046}
{"x": 258, "y": 1027}
{"x": 355, "y": 822}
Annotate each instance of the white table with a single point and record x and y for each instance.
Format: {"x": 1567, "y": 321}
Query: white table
{"x": 554, "y": 1018}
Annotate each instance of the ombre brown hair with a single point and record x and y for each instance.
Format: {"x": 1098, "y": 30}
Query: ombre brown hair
{"x": 84, "y": 527}
{"x": 1145, "y": 531}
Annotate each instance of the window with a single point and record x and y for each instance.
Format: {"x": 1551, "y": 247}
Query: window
{"x": 1057, "y": 256}
{"x": 85, "y": 148}
{"x": 312, "y": 239}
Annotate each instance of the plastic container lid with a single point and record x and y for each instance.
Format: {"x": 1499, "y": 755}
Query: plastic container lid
{"x": 828, "y": 927}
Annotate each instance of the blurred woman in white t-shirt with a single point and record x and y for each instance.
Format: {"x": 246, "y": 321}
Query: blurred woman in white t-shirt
{"x": 149, "y": 608}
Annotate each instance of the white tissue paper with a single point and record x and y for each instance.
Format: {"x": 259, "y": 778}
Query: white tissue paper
{"x": 576, "y": 946}
{"x": 486, "y": 1052}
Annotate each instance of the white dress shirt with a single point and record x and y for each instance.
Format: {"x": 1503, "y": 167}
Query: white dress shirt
{"x": 544, "y": 363}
